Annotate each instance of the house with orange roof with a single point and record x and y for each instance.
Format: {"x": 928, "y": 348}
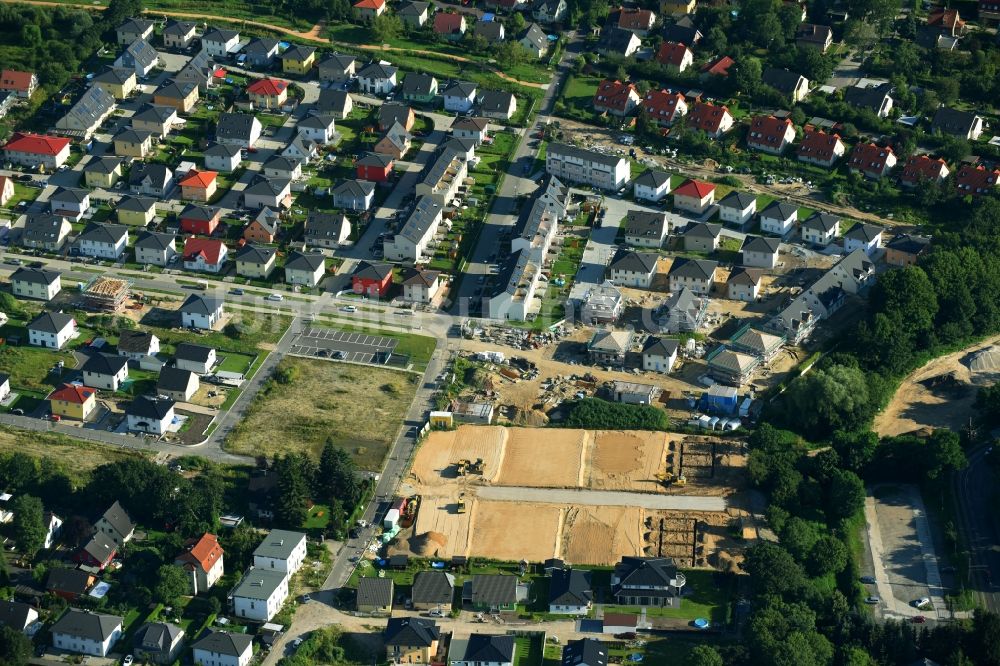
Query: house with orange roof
{"x": 770, "y": 135}
{"x": 820, "y": 148}
{"x": 37, "y": 150}
{"x": 199, "y": 185}
{"x": 664, "y": 107}
{"x": 22, "y": 84}
{"x": 616, "y": 98}
{"x": 205, "y": 254}
{"x": 675, "y": 56}
{"x": 694, "y": 196}
{"x": 71, "y": 401}
{"x": 711, "y": 119}
{"x": 871, "y": 160}
{"x": 718, "y": 66}
{"x": 202, "y": 562}
{"x": 450, "y": 26}
{"x": 268, "y": 93}
{"x": 977, "y": 180}
{"x": 637, "y": 21}
{"x": 368, "y": 10}
{"x": 922, "y": 169}
{"x": 948, "y": 21}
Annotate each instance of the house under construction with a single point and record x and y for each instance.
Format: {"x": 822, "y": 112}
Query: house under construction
{"x": 107, "y": 294}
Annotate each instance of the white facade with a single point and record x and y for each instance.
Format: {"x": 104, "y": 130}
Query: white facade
{"x": 583, "y": 166}
{"x": 223, "y": 162}
{"x": 248, "y": 601}
{"x": 25, "y": 289}
{"x": 626, "y": 278}
{"x": 292, "y": 545}
{"x": 738, "y": 217}
{"x": 778, "y": 227}
{"x": 304, "y": 277}
{"x": 103, "y": 250}
{"x": 38, "y": 338}
{"x": 658, "y": 362}
{"x": 81, "y": 645}
{"x": 650, "y": 193}
{"x": 377, "y": 85}
{"x": 197, "y": 366}
{"x": 103, "y": 381}
{"x": 219, "y": 48}
{"x": 204, "y": 657}
{"x": 459, "y": 104}
{"x": 202, "y": 321}
{"x": 150, "y": 425}
{"x": 155, "y": 256}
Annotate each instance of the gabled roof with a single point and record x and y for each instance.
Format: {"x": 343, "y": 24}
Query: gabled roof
{"x": 222, "y": 150}
{"x": 223, "y": 642}
{"x": 200, "y": 213}
{"x": 298, "y": 53}
{"x": 142, "y": 53}
{"x": 535, "y": 36}
{"x": 73, "y": 581}
{"x": 375, "y": 592}
{"x": 100, "y": 547}
{"x": 822, "y": 222}
{"x": 157, "y": 637}
{"x": 332, "y": 99}
{"x": 111, "y": 234}
{"x": 433, "y": 587}
{"x": 268, "y": 186}
{"x": 118, "y": 518}
{"x": 694, "y": 188}
{"x": 635, "y": 19}
{"x": 298, "y": 261}
{"x": 953, "y": 121}
{"x": 45, "y": 228}
{"x": 460, "y": 89}
{"x": 84, "y": 624}
{"x": 768, "y": 131}
{"x": 446, "y": 23}
{"x": 339, "y": 60}
{"x": 176, "y": 89}
{"x": 354, "y": 188}
{"x": 818, "y": 144}
{"x": 103, "y": 165}
{"x": 150, "y": 408}
{"x": 491, "y": 31}
{"x": 411, "y": 632}
{"x": 105, "y": 364}
{"x": 321, "y": 121}
{"x": 36, "y": 144}
{"x": 672, "y": 53}
{"x": 653, "y": 178}
{"x": 72, "y": 194}
{"x": 236, "y": 126}
{"x": 570, "y": 587}
{"x": 376, "y": 70}
{"x": 616, "y": 39}
{"x": 738, "y": 200}
{"x": 493, "y": 589}
{"x": 614, "y": 94}
{"x": 393, "y": 112}
{"x": 656, "y": 346}
{"x": 178, "y": 28}
{"x": 34, "y": 276}
{"x": 50, "y": 322}
{"x": 745, "y": 276}
{"x": 489, "y": 648}
{"x": 204, "y": 552}
{"x": 718, "y": 66}
{"x": 12, "y": 79}
{"x": 699, "y": 269}
{"x": 198, "y": 304}
{"x": 865, "y": 233}
{"x": 369, "y": 271}
{"x": 375, "y": 160}
{"x": 977, "y": 179}
{"x": 585, "y": 652}
{"x": 73, "y": 393}
{"x": 136, "y": 205}
{"x": 214, "y": 34}
{"x": 158, "y": 113}
{"x": 412, "y": 8}
{"x": 634, "y": 262}
{"x": 707, "y": 117}
{"x": 186, "y": 351}
{"x": 114, "y": 76}
{"x": 495, "y": 100}
{"x": 868, "y": 97}
{"x": 909, "y": 244}
{"x": 132, "y": 340}
{"x": 256, "y": 254}
{"x": 14, "y": 614}
{"x": 760, "y": 244}
{"x": 707, "y": 230}
{"x": 870, "y": 157}
{"x": 157, "y": 174}
{"x": 645, "y": 223}
{"x": 782, "y": 80}
{"x": 262, "y": 47}
{"x": 282, "y": 163}
{"x": 417, "y": 84}
{"x": 922, "y": 167}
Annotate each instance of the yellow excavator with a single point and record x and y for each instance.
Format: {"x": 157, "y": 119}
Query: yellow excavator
{"x": 669, "y": 479}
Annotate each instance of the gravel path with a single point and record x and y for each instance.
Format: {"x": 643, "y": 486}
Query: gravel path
{"x": 601, "y": 498}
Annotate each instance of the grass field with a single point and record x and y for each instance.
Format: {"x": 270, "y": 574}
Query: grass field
{"x": 29, "y": 367}
{"x": 359, "y": 407}
{"x": 76, "y": 458}
{"x": 233, "y": 362}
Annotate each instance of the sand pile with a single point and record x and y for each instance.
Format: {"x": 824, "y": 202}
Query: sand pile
{"x": 428, "y": 543}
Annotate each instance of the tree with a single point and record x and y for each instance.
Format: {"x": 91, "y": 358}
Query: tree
{"x": 944, "y": 454}
{"x": 828, "y": 399}
{"x": 828, "y": 555}
{"x": 292, "y": 490}
{"x": 15, "y": 647}
{"x": 171, "y": 584}
{"x": 772, "y": 570}
{"x": 517, "y": 23}
{"x": 860, "y": 34}
{"x": 846, "y": 496}
{"x": 386, "y": 28}
{"x": 856, "y": 449}
{"x": 704, "y": 655}
{"x": 747, "y": 73}
{"x": 29, "y": 523}
{"x": 716, "y": 41}
{"x": 985, "y": 640}
{"x": 337, "y": 479}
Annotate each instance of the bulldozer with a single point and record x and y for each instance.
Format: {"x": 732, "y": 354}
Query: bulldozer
{"x": 462, "y": 467}
{"x": 461, "y": 503}
{"x": 476, "y": 467}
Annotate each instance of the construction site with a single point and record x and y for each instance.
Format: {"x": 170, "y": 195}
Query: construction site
{"x": 586, "y": 496}
{"x": 106, "y": 293}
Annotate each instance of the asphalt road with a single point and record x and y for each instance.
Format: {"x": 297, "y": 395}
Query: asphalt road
{"x": 975, "y": 491}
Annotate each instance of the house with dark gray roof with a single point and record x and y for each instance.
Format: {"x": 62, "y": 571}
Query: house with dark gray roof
{"x": 877, "y": 99}
{"x": 459, "y": 96}
{"x": 779, "y": 218}
{"x": 702, "y": 237}
{"x": 85, "y": 632}
{"x": 374, "y": 596}
{"x": 497, "y": 104}
{"x": 820, "y": 228}
{"x": 176, "y": 384}
{"x": 619, "y": 42}
{"x": 419, "y": 87}
{"x": 240, "y": 129}
{"x": 659, "y": 354}
{"x": 337, "y": 68}
{"x": 760, "y": 252}
{"x": 683, "y": 312}
{"x": 494, "y": 592}
{"x": 261, "y": 52}
{"x": 570, "y": 592}
{"x": 155, "y": 248}
{"x": 137, "y": 345}
{"x": 16, "y": 615}
{"x": 84, "y": 117}
{"x": 35, "y": 283}
{"x": 411, "y": 640}
{"x": 337, "y": 103}
{"x": 480, "y": 649}
{"x": 433, "y": 590}
{"x": 106, "y": 371}
{"x": 116, "y": 524}
{"x": 632, "y": 269}
{"x": 158, "y": 642}
{"x": 862, "y": 236}
{"x": 793, "y": 85}
{"x": 647, "y": 581}
{"x": 140, "y": 57}
{"x": 223, "y": 648}
{"x": 698, "y": 275}
{"x": 644, "y": 228}
{"x": 151, "y": 179}
{"x": 45, "y": 232}
{"x": 377, "y": 78}
{"x": 585, "y": 652}
{"x": 738, "y": 208}
{"x": 178, "y": 34}
{"x": 196, "y": 358}
{"x": 651, "y": 185}
{"x": 957, "y": 123}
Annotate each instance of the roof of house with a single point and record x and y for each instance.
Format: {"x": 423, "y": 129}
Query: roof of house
{"x": 672, "y": 53}
{"x": 604, "y": 340}
{"x": 104, "y": 165}
{"x": 585, "y": 652}
{"x": 198, "y": 304}
{"x": 616, "y": 39}
{"x": 268, "y": 87}
{"x": 263, "y": 47}
{"x": 372, "y": 271}
{"x": 812, "y": 33}
{"x": 50, "y": 322}
{"x": 822, "y": 222}
{"x": 461, "y": 89}
{"x": 377, "y": 70}
{"x": 298, "y": 261}
{"x": 369, "y": 4}
{"x": 863, "y": 232}
{"x": 572, "y": 152}
{"x": 84, "y": 624}
{"x": 100, "y": 547}
{"x": 256, "y": 254}
{"x": 36, "y": 144}
{"x": 17, "y": 80}
{"x": 34, "y": 276}
{"x": 298, "y": 52}
{"x": 977, "y": 178}
{"x": 394, "y": 112}
{"x": 433, "y": 587}
{"x": 235, "y": 126}
{"x": 495, "y": 100}
{"x": 74, "y": 581}
{"x": 150, "y": 408}
{"x": 341, "y": 61}
{"x": 157, "y": 637}
{"x": 44, "y": 228}
{"x": 634, "y": 262}
{"x": 326, "y": 225}
{"x": 14, "y": 614}
{"x": 494, "y": 589}
{"x": 202, "y": 552}
{"x": 213, "y": 34}
{"x": 760, "y": 244}
{"x": 333, "y": 99}
{"x": 142, "y": 52}
{"x": 97, "y": 232}
{"x": 420, "y": 277}
{"x": 157, "y": 174}
{"x": 137, "y": 25}
{"x": 375, "y": 160}
{"x": 535, "y": 36}
{"x": 782, "y": 80}
{"x": 118, "y": 518}
{"x": 279, "y": 544}
{"x": 707, "y": 117}
{"x": 114, "y": 76}
{"x": 768, "y": 131}
{"x": 446, "y": 23}
{"x": 174, "y": 379}
{"x": 699, "y": 269}
{"x": 653, "y": 178}
{"x": 645, "y": 223}
{"x": 706, "y": 230}
{"x": 105, "y": 364}
{"x": 635, "y": 19}
{"x": 682, "y": 30}
{"x": 210, "y": 248}
{"x": 73, "y": 393}
{"x": 70, "y": 194}
{"x": 178, "y": 28}
{"x": 137, "y": 205}
{"x": 953, "y": 121}
{"x": 491, "y": 31}
{"x": 656, "y": 346}
{"x": 375, "y": 592}
{"x": 186, "y": 351}
{"x": 570, "y": 587}
{"x": 649, "y": 572}
{"x": 223, "y": 642}
{"x": 415, "y": 84}
{"x": 133, "y": 340}
{"x": 818, "y": 144}
{"x": 868, "y": 97}
{"x": 696, "y": 189}
{"x": 222, "y": 150}
{"x": 152, "y": 240}
{"x": 282, "y": 163}
{"x": 663, "y": 104}
{"x": 412, "y": 8}
{"x": 173, "y": 89}
{"x": 742, "y": 275}
{"x": 718, "y": 66}
{"x": 738, "y": 200}
{"x": 922, "y": 167}
{"x": 411, "y": 632}
{"x": 489, "y": 648}
{"x": 909, "y": 244}
{"x": 779, "y": 210}
{"x": 614, "y": 94}
{"x": 870, "y": 157}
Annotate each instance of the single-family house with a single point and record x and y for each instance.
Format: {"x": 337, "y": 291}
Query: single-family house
{"x": 155, "y": 248}
{"x": 219, "y": 43}
{"x": 957, "y": 123}
{"x": 355, "y": 195}
{"x": 222, "y": 648}
{"x": 794, "y": 86}
{"x": 178, "y": 34}
{"x": 158, "y": 642}
{"x": 86, "y": 632}
{"x": 261, "y": 52}
{"x": 411, "y": 640}
{"x": 181, "y": 95}
{"x": 770, "y": 135}
{"x": 281, "y": 551}
{"x": 646, "y": 581}
{"x": 268, "y": 93}
{"x": 492, "y": 32}
{"x": 51, "y": 329}
{"x": 632, "y": 269}
{"x": 497, "y": 104}
{"x": 22, "y": 84}
{"x": 197, "y": 219}
{"x": 71, "y": 401}
{"x": 375, "y": 167}
{"x": 570, "y": 592}
{"x": 875, "y": 98}
{"x": 199, "y": 185}
{"x": 694, "y": 196}
{"x": 779, "y": 218}
{"x": 37, "y": 150}
{"x": 202, "y": 559}
{"x": 151, "y": 415}
{"x": 69, "y": 584}
{"x": 459, "y": 96}
{"x": 116, "y": 524}
{"x": 368, "y": 10}
{"x": 238, "y": 129}
{"x": 646, "y": 228}
{"x": 418, "y": 87}
{"x": 638, "y": 21}
{"x": 37, "y": 283}
{"x": 278, "y": 166}
{"x": 136, "y": 211}
{"x": 119, "y": 82}
{"x": 651, "y": 185}
{"x": 664, "y": 107}
{"x": 432, "y": 590}
{"x": 140, "y": 57}
{"x": 255, "y": 261}
{"x": 337, "y": 68}
{"x": 730, "y": 367}
{"x": 103, "y": 172}
{"x": 744, "y": 284}
{"x": 588, "y": 651}
{"x": 676, "y": 57}
{"x": 413, "y": 13}
{"x": 820, "y": 228}
{"x": 151, "y": 179}
{"x": 412, "y": 240}
{"x": 711, "y": 119}
{"x": 266, "y": 192}
{"x": 534, "y": 40}
{"x": 298, "y": 60}
{"x": 922, "y": 170}
{"x": 372, "y": 279}
{"x": 977, "y": 180}
{"x": 483, "y": 649}
{"x": 616, "y": 98}
{"x": 156, "y": 119}
{"x": 494, "y": 592}
{"x": 263, "y": 228}
{"x": 69, "y": 202}
{"x": 105, "y": 371}
{"x": 819, "y": 148}
{"x": 865, "y": 237}
{"x": 394, "y": 143}
{"x": 616, "y": 41}
{"x": 326, "y": 229}
{"x": 682, "y": 30}
{"x": 202, "y": 312}
{"x": 684, "y": 311}
{"x": 717, "y": 66}
{"x": 304, "y": 269}
{"x": 377, "y": 78}
{"x": 871, "y": 160}
{"x": 906, "y": 249}
{"x": 374, "y": 596}
{"x": 45, "y": 232}
{"x": 419, "y": 285}
{"x": 133, "y": 29}
{"x": 702, "y": 237}
{"x": 137, "y": 345}
{"x": 659, "y": 354}
{"x": 738, "y": 208}
{"x": 698, "y": 275}
{"x": 450, "y": 25}
{"x": 196, "y": 358}
{"x": 813, "y": 36}
{"x": 470, "y": 128}
{"x": 760, "y": 252}
{"x": 16, "y": 615}
{"x": 317, "y": 127}
{"x": 223, "y": 157}
{"x": 96, "y": 553}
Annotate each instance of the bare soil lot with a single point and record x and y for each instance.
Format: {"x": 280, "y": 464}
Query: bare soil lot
{"x": 361, "y": 408}
{"x": 516, "y": 530}
{"x": 601, "y": 535}
{"x": 629, "y": 460}
{"x": 550, "y": 458}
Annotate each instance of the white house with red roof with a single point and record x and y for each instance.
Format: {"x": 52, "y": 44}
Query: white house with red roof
{"x": 921, "y": 169}
{"x": 977, "y": 180}
{"x": 694, "y": 196}
{"x": 205, "y": 254}
{"x": 616, "y": 98}
{"x": 676, "y": 56}
{"x": 770, "y": 135}
{"x": 711, "y": 119}
{"x": 638, "y": 21}
{"x": 819, "y": 148}
{"x": 368, "y": 10}
{"x": 22, "y": 84}
{"x": 33, "y": 150}
{"x": 268, "y": 93}
{"x": 664, "y": 107}
{"x": 871, "y": 160}
{"x": 202, "y": 562}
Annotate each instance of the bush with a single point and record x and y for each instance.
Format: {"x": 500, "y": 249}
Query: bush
{"x": 596, "y": 413}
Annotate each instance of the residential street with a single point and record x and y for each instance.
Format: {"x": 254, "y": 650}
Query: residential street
{"x": 977, "y": 522}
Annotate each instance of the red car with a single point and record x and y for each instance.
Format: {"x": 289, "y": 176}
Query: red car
{"x": 918, "y": 619}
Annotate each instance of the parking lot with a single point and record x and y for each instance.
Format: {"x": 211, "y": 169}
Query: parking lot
{"x": 343, "y": 345}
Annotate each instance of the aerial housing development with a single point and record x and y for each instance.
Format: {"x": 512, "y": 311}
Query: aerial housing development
{"x": 491, "y": 332}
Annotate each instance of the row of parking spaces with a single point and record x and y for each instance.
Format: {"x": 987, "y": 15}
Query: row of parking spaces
{"x": 344, "y": 337}
{"x": 354, "y": 356}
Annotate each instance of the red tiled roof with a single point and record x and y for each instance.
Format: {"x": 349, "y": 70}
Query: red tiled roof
{"x": 707, "y": 117}
{"x": 615, "y": 94}
{"x": 945, "y": 18}
{"x": 869, "y": 157}
{"x": 922, "y": 167}
{"x": 37, "y": 144}
{"x": 819, "y": 145}
{"x": 719, "y": 67}
{"x": 205, "y": 552}
{"x": 663, "y": 104}
{"x": 270, "y": 87}
{"x": 209, "y": 248}
{"x": 977, "y": 180}
{"x": 369, "y": 4}
{"x": 12, "y": 79}
{"x": 695, "y": 189}
{"x": 72, "y": 393}
{"x": 671, "y": 53}
{"x": 446, "y": 24}
{"x": 635, "y": 19}
{"x": 200, "y": 179}
{"x": 768, "y": 131}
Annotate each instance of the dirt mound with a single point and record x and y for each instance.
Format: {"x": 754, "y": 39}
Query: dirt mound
{"x": 428, "y": 543}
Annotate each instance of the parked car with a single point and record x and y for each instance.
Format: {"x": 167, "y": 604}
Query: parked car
{"x": 237, "y": 292}
{"x": 868, "y": 580}
{"x": 872, "y": 600}
{"x": 918, "y": 619}
{"x": 921, "y": 602}
{"x": 275, "y": 297}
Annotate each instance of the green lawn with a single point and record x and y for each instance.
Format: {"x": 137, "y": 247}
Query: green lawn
{"x": 528, "y": 651}
{"x": 706, "y": 600}
{"x": 319, "y": 517}
{"x": 29, "y": 367}
{"x": 233, "y": 362}
{"x": 578, "y": 96}
{"x": 259, "y": 328}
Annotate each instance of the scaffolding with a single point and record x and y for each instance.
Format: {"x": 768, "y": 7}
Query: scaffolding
{"x": 107, "y": 294}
